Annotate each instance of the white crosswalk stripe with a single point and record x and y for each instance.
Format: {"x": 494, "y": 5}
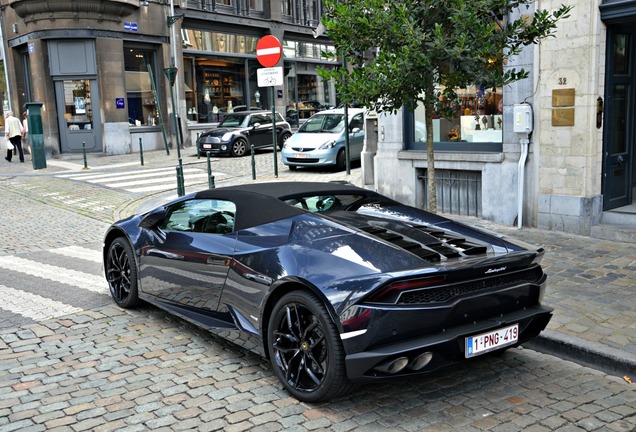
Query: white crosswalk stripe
{"x": 143, "y": 180}
{"x": 85, "y": 281}
{"x": 79, "y": 252}
{"x": 33, "y": 306}
{"x": 43, "y": 304}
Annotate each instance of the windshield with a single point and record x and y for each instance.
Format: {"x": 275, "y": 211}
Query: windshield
{"x": 331, "y": 123}
{"x": 233, "y": 120}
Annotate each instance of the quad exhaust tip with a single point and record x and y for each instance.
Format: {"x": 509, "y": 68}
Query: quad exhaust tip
{"x": 421, "y": 361}
{"x": 394, "y": 366}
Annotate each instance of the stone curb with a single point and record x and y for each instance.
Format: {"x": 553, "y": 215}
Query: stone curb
{"x": 586, "y": 353}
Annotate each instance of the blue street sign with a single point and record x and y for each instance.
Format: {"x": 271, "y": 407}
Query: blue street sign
{"x": 131, "y": 26}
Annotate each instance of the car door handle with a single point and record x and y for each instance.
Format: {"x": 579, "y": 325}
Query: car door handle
{"x": 218, "y": 261}
{"x": 164, "y": 254}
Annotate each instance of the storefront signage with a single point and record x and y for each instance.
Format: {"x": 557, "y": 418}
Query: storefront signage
{"x": 270, "y": 77}
{"x": 268, "y": 51}
{"x": 119, "y": 103}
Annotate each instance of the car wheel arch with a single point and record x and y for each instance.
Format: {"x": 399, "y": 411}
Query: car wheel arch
{"x": 282, "y": 289}
{"x": 110, "y": 237}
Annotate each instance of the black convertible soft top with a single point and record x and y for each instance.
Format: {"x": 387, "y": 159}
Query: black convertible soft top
{"x": 261, "y": 203}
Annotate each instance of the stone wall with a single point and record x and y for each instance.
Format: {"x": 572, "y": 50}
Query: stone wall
{"x": 570, "y": 167}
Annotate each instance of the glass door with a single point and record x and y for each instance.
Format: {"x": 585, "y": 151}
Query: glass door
{"x": 619, "y": 119}
{"x": 79, "y": 122}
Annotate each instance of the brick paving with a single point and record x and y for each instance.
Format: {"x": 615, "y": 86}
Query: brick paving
{"x": 108, "y": 369}
{"x": 111, "y": 369}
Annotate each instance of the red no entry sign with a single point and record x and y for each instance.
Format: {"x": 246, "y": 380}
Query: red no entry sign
{"x": 268, "y": 51}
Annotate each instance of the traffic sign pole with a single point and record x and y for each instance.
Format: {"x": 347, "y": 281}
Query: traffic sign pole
{"x": 274, "y": 133}
{"x": 268, "y": 53}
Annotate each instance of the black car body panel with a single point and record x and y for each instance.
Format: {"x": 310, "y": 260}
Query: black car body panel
{"x": 395, "y": 280}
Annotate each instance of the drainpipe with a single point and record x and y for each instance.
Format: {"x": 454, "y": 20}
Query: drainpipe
{"x": 522, "y": 125}
{"x": 520, "y": 175}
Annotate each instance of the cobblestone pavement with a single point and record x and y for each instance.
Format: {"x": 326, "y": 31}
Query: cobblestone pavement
{"x": 108, "y": 369}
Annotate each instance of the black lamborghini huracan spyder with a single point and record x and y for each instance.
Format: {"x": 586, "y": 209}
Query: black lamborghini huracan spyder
{"x": 335, "y": 284}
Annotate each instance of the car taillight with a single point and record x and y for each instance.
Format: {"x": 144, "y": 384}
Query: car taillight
{"x": 391, "y": 292}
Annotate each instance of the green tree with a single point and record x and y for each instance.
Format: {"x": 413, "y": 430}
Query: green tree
{"x": 400, "y": 52}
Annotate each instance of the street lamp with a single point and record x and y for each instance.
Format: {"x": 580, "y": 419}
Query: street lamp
{"x": 171, "y": 74}
{"x": 173, "y": 18}
{"x": 170, "y": 21}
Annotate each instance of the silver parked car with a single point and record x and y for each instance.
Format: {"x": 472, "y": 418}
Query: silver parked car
{"x": 320, "y": 141}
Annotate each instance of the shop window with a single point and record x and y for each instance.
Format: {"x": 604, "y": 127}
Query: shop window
{"x": 308, "y": 50}
{"x": 307, "y": 92}
{"x": 224, "y": 82}
{"x": 78, "y": 107}
{"x": 140, "y": 97}
{"x": 473, "y": 121}
{"x": 219, "y": 88}
{"x": 200, "y": 40}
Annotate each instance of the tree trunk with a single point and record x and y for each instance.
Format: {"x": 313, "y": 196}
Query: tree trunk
{"x": 430, "y": 156}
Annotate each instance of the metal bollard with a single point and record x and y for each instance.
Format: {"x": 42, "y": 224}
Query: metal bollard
{"x": 253, "y": 164}
{"x": 141, "y": 151}
{"x": 210, "y": 176}
{"x": 198, "y": 149}
{"x": 84, "y": 152}
{"x": 180, "y": 186}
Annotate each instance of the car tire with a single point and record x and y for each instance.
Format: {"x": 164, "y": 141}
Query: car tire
{"x": 284, "y": 137}
{"x": 239, "y": 148}
{"x": 340, "y": 161}
{"x": 305, "y": 349}
{"x": 121, "y": 274}
{"x": 292, "y": 167}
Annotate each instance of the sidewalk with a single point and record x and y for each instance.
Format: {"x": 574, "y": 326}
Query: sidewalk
{"x": 591, "y": 282}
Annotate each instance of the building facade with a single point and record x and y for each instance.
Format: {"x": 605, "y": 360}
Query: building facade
{"x": 578, "y": 173}
{"x": 99, "y": 67}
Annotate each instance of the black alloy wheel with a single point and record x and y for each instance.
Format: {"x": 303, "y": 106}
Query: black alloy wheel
{"x": 305, "y": 349}
{"x": 239, "y": 147}
{"x": 121, "y": 274}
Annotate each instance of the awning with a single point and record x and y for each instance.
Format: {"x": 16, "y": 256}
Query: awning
{"x": 617, "y": 11}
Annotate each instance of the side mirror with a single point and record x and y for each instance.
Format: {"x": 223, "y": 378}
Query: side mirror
{"x": 355, "y": 130}
{"x": 154, "y": 218}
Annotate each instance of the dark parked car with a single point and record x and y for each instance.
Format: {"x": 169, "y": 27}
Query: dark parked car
{"x": 335, "y": 284}
{"x": 238, "y": 131}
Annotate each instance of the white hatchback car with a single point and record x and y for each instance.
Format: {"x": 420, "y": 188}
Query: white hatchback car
{"x": 320, "y": 141}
